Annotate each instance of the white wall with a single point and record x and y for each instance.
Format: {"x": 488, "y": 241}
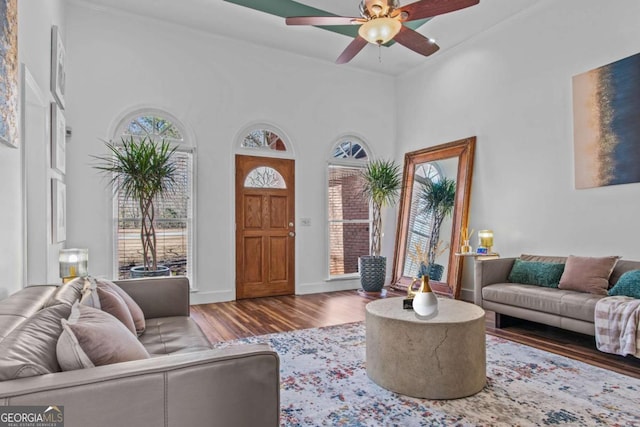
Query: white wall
{"x": 511, "y": 87}
{"x": 35, "y": 18}
{"x": 215, "y": 86}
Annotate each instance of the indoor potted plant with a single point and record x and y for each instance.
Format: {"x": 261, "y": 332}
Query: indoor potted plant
{"x": 437, "y": 200}
{"x": 143, "y": 170}
{"x": 381, "y": 187}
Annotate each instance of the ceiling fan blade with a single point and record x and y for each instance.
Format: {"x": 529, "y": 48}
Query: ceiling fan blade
{"x": 321, "y": 20}
{"x": 416, "y": 41}
{"x": 429, "y": 8}
{"x": 352, "y": 50}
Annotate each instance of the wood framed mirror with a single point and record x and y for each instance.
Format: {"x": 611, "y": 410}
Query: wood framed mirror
{"x": 434, "y": 206}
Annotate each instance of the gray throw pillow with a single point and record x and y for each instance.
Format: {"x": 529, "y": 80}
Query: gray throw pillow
{"x": 92, "y": 337}
{"x": 113, "y": 304}
{"x": 90, "y": 295}
{"x": 92, "y": 299}
{"x": 136, "y": 312}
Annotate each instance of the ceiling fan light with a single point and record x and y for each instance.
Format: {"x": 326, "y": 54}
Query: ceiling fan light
{"x": 379, "y": 30}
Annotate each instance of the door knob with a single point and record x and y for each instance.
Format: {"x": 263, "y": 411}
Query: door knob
{"x": 291, "y": 224}
{"x": 292, "y": 234}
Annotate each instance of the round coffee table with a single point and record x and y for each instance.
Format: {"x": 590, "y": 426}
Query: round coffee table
{"x": 439, "y": 357}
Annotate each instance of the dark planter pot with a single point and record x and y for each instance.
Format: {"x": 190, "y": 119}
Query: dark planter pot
{"x": 435, "y": 272}
{"x": 139, "y": 271}
{"x": 373, "y": 270}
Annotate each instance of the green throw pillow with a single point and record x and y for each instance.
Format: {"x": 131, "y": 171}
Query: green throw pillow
{"x": 537, "y": 273}
{"x": 628, "y": 285}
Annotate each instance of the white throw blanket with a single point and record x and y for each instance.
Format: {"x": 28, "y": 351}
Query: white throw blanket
{"x": 617, "y": 321}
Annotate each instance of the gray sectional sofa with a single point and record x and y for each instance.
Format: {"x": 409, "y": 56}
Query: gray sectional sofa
{"x": 567, "y": 309}
{"x": 184, "y": 383}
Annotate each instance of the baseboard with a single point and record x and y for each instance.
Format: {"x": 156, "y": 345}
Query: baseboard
{"x": 209, "y": 297}
{"x": 330, "y": 286}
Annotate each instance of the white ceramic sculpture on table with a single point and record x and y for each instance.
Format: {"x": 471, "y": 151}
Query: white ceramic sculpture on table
{"x": 425, "y": 302}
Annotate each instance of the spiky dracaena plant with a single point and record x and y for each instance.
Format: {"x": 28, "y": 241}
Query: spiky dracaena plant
{"x": 142, "y": 170}
{"x": 382, "y": 181}
{"x": 437, "y": 199}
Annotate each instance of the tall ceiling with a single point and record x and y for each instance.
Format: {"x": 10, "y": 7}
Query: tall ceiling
{"x": 244, "y": 23}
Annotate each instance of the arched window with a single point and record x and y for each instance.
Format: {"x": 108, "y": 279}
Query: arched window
{"x": 173, "y": 212}
{"x": 349, "y": 219}
{"x": 264, "y": 177}
{"x": 264, "y": 139}
{"x": 419, "y": 223}
{"x": 349, "y": 149}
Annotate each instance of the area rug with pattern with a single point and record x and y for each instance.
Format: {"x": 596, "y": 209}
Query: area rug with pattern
{"x": 324, "y": 383}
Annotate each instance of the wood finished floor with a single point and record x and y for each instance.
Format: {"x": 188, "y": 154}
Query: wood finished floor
{"x": 238, "y": 319}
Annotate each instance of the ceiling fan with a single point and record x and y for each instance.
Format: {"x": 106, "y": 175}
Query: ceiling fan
{"x": 382, "y": 21}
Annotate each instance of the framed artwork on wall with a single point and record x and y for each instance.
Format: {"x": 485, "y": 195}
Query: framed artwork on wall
{"x": 58, "y": 74}
{"x": 606, "y": 129}
{"x": 9, "y": 91}
{"x": 58, "y": 143}
{"x": 58, "y": 211}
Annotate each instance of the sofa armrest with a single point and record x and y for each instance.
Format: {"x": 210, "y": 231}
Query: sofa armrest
{"x": 236, "y": 386}
{"x": 490, "y": 271}
{"x": 159, "y": 296}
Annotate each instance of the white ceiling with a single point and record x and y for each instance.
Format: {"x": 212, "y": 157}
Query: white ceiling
{"x": 238, "y": 22}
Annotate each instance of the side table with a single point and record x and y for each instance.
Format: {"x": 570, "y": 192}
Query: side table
{"x": 476, "y": 257}
{"x": 440, "y": 357}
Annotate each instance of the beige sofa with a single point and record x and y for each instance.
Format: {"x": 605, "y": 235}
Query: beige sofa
{"x": 565, "y": 309}
{"x": 184, "y": 383}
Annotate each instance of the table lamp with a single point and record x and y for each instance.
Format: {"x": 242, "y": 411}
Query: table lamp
{"x": 73, "y": 263}
{"x": 485, "y": 238}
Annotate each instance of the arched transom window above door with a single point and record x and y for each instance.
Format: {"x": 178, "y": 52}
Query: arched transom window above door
{"x": 265, "y": 140}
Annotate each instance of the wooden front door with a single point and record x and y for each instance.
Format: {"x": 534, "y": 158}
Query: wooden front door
{"x": 265, "y": 227}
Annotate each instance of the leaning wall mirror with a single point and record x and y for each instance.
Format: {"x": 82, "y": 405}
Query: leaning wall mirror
{"x": 434, "y": 206}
